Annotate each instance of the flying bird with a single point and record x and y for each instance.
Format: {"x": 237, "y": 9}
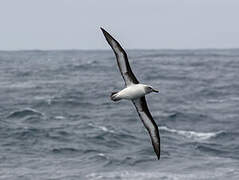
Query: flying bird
{"x": 134, "y": 91}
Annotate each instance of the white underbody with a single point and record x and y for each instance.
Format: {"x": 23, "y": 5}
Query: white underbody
{"x": 132, "y": 92}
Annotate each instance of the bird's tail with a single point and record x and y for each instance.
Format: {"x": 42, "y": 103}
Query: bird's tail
{"x": 114, "y": 96}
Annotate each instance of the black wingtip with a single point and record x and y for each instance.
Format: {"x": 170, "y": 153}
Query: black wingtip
{"x": 158, "y": 153}
{"x": 106, "y": 34}
{"x": 104, "y": 31}
{"x": 109, "y": 38}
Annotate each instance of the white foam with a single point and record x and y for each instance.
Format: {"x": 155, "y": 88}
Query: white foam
{"x": 101, "y": 154}
{"x": 192, "y": 134}
{"x": 103, "y": 128}
{"x": 59, "y": 117}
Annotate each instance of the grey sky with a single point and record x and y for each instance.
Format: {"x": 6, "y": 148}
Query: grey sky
{"x": 150, "y": 24}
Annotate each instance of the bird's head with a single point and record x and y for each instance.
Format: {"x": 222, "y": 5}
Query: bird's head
{"x": 149, "y": 89}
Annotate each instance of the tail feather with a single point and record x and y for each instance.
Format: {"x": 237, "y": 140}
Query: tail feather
{"x": 114, "y": 97}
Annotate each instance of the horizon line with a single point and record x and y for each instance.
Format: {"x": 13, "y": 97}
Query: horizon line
{"x": 128, "y": 49}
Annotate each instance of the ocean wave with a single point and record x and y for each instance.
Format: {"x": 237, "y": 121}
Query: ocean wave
{"x": 228, "y": 99}
{"x": 29, "y": 133}
{"x": 24, "y": 113}
{"x": 80, "y": 65}
{"x": 59, "y": 117}
{"x": 22, "y": 85}
{"x": 132, "y": 175}
{"x": 201, "y": 136}
{"x": 128, "y": 175}
{"x": 214, "y": 150}
{"x": 64, "y": 150}
{"x": 107, "y": 136}
{"x": 102, "y": 128}
{"x": 66, "y": 101}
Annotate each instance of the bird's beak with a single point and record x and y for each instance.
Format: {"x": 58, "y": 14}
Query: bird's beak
{"x": 155, "y": 91}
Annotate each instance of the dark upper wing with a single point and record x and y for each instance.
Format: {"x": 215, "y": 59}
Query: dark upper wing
{"x": 122, "y": 60}
{"x": 149, "y": 123}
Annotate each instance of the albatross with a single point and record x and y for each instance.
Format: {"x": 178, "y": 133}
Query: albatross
{"x": 134, "y": 91}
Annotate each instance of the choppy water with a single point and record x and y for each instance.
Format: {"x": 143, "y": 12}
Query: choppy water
{"x": 57, "y": 121}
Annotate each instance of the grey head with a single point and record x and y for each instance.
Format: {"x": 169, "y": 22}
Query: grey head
{"x": 149, "y": 89}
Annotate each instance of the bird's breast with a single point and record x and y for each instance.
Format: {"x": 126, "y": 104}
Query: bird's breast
{"x": 132, "y": 92}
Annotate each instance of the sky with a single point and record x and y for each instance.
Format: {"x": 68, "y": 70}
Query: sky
{"x": 137, "y": 24}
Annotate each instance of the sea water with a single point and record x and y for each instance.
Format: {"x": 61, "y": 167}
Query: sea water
{"x": 58, "y": 122}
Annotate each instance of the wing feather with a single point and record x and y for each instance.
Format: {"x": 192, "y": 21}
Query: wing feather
{"x": 122, "y": 60}
{"x": 149, "y": 123}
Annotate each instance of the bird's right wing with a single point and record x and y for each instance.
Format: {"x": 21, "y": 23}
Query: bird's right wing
{"x": 122, "y": 60}
{"x": 149, "y": 123}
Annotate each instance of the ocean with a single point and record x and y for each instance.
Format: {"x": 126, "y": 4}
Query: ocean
{"x": 57, "y": 121}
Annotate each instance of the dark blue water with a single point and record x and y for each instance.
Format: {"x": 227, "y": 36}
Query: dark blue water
{"x": 57, "y": 121}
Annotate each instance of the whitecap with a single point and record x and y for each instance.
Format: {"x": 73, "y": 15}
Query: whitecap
{"x": 192, "y": 134}
{"x": 59, "y": 117}
{"x": 103, "y": 128}
{"x": 101, "y": 154}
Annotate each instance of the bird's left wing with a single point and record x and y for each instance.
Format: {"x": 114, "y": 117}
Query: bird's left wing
{"x": 122, "y": 60}
{"x": 149, "y": 123}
